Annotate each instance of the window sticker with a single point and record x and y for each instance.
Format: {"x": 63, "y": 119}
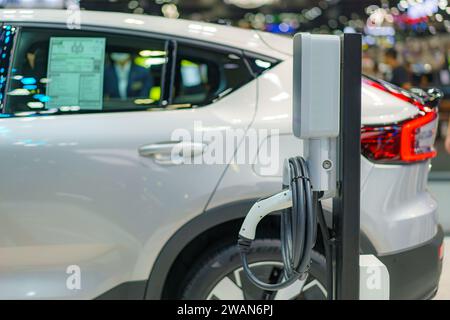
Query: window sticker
{"x": 75, "y": 73}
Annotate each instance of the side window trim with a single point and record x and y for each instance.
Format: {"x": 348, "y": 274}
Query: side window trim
{"x": 169, "y": 75}
{"x": 156, "y": 35}
{"x": 252, "y": 55}
{"x": 5, "y": 88}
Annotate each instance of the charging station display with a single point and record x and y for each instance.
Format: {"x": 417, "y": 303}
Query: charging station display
{"x": 76, "y": 72}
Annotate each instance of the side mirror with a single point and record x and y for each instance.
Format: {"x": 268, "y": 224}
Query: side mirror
{"x": 434, "y": 97}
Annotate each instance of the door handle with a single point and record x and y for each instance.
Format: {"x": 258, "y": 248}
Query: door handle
{"x": 150, "y": 150}
{"x": 172, "y": 152}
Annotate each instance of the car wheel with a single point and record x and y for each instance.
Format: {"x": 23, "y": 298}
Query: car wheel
{"x": 221, "y": 276}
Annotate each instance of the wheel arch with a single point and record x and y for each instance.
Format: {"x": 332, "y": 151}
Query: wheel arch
{"x": 229, "y": 214}
{"x": 225, "y": 217}
{"x": 186, "y": 235}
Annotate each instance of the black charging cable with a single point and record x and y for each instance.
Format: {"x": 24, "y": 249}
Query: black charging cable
{"x": 298, "y": 230}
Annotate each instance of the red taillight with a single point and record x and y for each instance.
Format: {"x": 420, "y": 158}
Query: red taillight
{"x": 381, "y": 143}
{"x": 408, "y": 141}
{"x": 418, "y": 137}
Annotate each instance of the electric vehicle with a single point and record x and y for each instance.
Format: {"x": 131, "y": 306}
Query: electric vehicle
{"x": 93, "y": 205}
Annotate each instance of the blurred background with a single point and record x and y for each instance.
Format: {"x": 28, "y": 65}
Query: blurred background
{"x": 406, "y": 42}
{"x": 413, "y": 35}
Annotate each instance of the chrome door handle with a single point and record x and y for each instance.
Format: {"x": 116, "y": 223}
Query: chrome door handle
{"x": 170, "y": 152}
{"x": 150, "y": 150}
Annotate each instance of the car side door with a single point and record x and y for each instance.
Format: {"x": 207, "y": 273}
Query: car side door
{"x": 86, "y": 146}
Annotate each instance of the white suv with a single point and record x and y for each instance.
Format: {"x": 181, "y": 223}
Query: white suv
{"x": 92, "y": 204}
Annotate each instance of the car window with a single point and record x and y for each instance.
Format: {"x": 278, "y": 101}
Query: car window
{"x": 203, "y": 75}
{"x": 259, "y": 65}
{"x": 78, "y": 71}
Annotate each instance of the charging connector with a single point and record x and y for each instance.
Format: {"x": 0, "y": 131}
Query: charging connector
{"x": 298, "y": 226}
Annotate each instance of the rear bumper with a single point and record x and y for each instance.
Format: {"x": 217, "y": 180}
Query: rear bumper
{"x": 414, "y": 274}
{"x": 397, "y": 212}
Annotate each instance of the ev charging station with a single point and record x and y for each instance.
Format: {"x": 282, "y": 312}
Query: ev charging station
{"x": 327, "y": 117}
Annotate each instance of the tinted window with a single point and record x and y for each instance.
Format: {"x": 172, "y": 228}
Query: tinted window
{"x": 203, "y": 75}
{"x": 73, "y": 71}
{"x": 259, "y": 65}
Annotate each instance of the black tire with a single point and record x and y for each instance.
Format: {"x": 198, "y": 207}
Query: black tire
{"x": 223, "y": 262}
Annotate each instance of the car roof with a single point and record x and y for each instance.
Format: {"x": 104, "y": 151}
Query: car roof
{"x": 249, "y": 40}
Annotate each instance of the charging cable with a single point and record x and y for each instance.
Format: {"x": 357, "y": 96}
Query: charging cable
{"x": 298, "y": 226}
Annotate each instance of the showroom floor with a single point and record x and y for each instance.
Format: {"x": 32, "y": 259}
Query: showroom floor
{"x": 444, "y": 286}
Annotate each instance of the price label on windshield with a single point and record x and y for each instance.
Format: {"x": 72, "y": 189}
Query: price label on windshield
{"x": 75, "y": 73}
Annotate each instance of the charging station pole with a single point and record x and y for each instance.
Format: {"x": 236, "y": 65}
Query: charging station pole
{"x": 327, "y": 117}
{"x": 346, "y": 204}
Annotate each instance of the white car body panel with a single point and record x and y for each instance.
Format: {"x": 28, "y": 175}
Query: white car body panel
{"x": 379, "y": 107}
{"x": 396, "y": 204}
{"x": 118, "y": 217}
{"x": 112, "y": 222}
